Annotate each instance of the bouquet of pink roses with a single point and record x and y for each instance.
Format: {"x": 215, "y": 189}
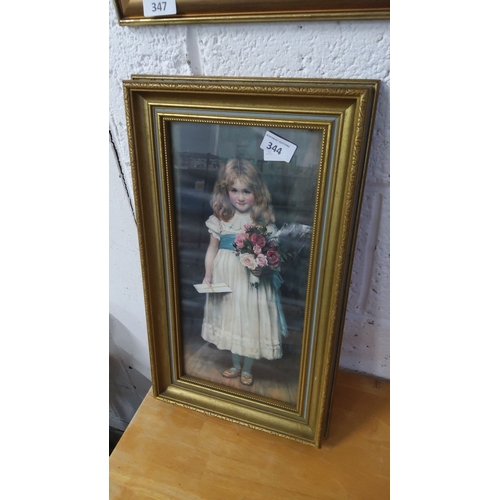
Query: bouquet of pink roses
{"x": 256, "y": 248}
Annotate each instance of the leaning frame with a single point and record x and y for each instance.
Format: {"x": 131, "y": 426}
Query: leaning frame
{"x": 168, "y": 119}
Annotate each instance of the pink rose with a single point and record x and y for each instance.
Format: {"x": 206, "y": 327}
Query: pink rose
{"x": 248, "y": 260}
{"x": 258, "y": 239}
{"x": 248, "y": 226}
{"x": 257, "y": 249}
{"x": 240, "y": 240}
{"x": 273, "y": 257}
{"x": 262, "y": 260}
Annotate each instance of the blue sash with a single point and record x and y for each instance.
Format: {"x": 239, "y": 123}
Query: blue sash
{"x": 277, "y": 282}
{"x": 226, "y": 241}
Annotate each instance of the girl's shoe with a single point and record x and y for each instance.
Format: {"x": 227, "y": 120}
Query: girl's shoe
{"x": 231, "y": 372}
{"x": 246, "y": 378}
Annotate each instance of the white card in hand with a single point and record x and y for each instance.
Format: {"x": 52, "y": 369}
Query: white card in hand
{"x": 213, "y": 288}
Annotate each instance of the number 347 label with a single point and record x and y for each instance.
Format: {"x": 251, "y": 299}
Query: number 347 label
{"x": 276, "y": 148}
{"x": 154, "y": 8}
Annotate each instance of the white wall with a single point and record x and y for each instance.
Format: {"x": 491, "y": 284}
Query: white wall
{"x": 129, "y": 368}
{"x": 333, "y": 49}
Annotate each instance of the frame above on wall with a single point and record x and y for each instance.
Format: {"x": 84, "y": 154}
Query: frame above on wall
{"x": 247, "y": 195}
{"x": 131, "y": 12}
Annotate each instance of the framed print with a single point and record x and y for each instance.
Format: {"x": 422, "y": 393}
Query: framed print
{"x": 247, "y": 196}
{"x": 146, "y": 12}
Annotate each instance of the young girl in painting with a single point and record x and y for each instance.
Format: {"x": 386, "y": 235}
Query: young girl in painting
{"x": 248, "y": 321}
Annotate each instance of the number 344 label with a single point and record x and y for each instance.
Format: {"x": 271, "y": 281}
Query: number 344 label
{"x": 154, "y": 8}
{"x": 276, "y": 148}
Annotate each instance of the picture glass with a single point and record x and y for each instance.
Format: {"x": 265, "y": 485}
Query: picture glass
{"x": 220, "y": 174}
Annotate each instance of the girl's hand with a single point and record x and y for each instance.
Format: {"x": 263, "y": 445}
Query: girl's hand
{"x": 257, "y": 271}
{"x": 207, "y": 281}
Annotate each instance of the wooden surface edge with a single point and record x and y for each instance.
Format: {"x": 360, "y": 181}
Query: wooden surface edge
{"x": 169, "y": 451}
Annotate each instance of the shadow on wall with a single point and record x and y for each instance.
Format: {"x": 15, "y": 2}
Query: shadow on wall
{"x": 127, "y": 386}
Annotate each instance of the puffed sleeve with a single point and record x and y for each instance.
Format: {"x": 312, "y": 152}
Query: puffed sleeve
{"x": 214, "y": 226}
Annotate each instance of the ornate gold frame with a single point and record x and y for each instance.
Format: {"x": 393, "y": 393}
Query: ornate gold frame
{"x": 344, "y": 111}
{"x": 130, "y": 12}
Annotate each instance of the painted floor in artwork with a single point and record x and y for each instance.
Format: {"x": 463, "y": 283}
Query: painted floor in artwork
{"x": 276, "y": 379}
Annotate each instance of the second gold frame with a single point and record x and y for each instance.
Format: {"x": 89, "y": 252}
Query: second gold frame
{"x": 130, "y": 12}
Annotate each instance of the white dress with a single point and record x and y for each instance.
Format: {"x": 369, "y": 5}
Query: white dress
{"x": 247, "y": 320}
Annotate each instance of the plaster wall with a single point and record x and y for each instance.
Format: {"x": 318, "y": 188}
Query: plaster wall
{"x": 331, "y": 49}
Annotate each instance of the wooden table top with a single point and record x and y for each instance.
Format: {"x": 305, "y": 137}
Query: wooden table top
{"x": 170, "y": 452}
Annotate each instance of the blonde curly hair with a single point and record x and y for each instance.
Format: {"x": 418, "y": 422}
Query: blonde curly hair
{"x": 242, "y": 170}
